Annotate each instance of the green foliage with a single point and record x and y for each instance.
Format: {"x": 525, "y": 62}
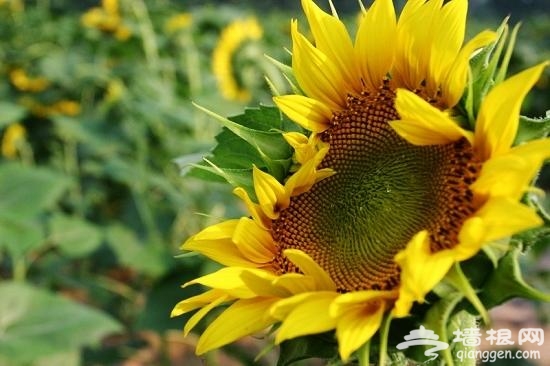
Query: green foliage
{"x": 92, "y": 207}
{"x": 251, "y": 138}
{"x": 36, "y": 323}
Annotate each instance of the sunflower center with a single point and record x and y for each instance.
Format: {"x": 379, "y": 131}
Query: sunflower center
{"x": 385, "y": 190}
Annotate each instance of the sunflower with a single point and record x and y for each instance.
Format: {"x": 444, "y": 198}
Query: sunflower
{"x": 390, "y": 190}
{"x": 231, "y": 39}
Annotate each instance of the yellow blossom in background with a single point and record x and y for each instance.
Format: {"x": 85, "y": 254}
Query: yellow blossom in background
{"x": 15, "y": 5}
{"x": 107, "y": 18}
{"x": 110, "y": 6}
{"x": 23, "y": 82}
{"x": 178, "y": 22}
{"x": 232, "y": 37}
{"x": 14, "y": 135}
{"x": 65, "y": 107}
{"x": 123, "y": 33}
{"x": 115, "y": 90}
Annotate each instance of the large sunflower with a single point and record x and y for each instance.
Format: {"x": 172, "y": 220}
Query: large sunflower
{"x": 390, "y": 190}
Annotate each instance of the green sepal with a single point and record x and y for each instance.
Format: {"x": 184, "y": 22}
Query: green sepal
{"x": 437, "y": 319}
{"x": 301, "y": 348}
{"x": 288, "y": 74}
{"x": 252, "y": 138}
{"x": 532, "y": 128}
{"x": 457, "y": 279}
{"x": 506, "y": 282}
{"x": 459, "y": 321}
{"x": 487, "y": 69}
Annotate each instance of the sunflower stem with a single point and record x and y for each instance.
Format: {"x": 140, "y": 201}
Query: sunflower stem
{"x": 384, "y": 333}
{"x": 363, "y": 354}
{"x": 458, "y": 279}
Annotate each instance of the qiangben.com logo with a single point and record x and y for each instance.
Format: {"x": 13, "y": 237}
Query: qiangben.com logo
{"x": 471, "y": 337}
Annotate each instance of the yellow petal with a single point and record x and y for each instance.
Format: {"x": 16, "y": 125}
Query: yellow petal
{"x": 344, "y": 301}
{"x": 498, "y": 119}
{"x": 499, "y": 221}
{"x": 420, "y": 271}
{"x": 295, "y": 283}
{"x": 223, "y": 230}
{"x": 517, "y": 168}
{"x": 255, "y": 211}
{"x": 380, "y": 20}
{"x": 448, "y": 36}
{"x": 516, "y": 171}
{"x": 215, "y": 243}
{"x": 317, "y": 74}
{"x": 255, "y": 243}
{"x": 263, "y": 284}
{"x": 296, "y": 139}
{"x": 309, "y": 317}
{"x": 455, "y": 80}
{"x": 471, "y": 238}
{"x": 498, "y": 218}
{"x": 414, "y": 43}
{"x": 196, "y": 302}
{"x": 332, "y": 38}
{"x": 302, "y": 180}
{"x": 244, "y": 317}
{"x": 223, "y": 251}
{"x": 536, "y": 150}
{"x": 304, "y": 148}
{"x": 196, "y": 318}
{"x": 282, "y": 308}
{"x": 228, "y": 280}
{"x": 310, "y": 268}
{"x": 356, "y": 327}
{"x": 423, "y": 124}
{"x": 271, "y": 194}
{"x": 309, "y": 113}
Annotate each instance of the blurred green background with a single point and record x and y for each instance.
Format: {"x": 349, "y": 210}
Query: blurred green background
{"x": 96, "y": 120}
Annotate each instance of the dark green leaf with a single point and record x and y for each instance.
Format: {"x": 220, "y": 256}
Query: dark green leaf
{"x": 25, "y": 191}
{"x": 132, "y": 252}
{"x": 301, "y": 348}
{"x": 35, "y": 323}
{"x": 532, "y": 128}
{"x": 253, "y": 138}
{"x": 20, "y": 236}
{"x": 74, "y": 236}
{"x": 506, "y": 282}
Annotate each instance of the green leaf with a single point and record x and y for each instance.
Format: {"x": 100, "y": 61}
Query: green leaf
{"x": 26, "y": 191}
{"x": 301, "y": 348}
{"x": 252, "y": 138}
{"x": 20, "y": 236}
{"x": 132, "y": 252}
{"x": 532, "y": 128}
{"x": 10, "y": 113}
{"x": 506, "y": 282}
{"x": 75, "y": 237}
{"x": 71, "y": 358}
{"x": 35, "y": 323}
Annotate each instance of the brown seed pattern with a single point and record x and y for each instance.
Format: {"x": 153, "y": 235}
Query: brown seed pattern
{"x": 384, "y": 191}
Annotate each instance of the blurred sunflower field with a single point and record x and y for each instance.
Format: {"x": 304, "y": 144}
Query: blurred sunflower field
{"x": 100, "y": 116}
